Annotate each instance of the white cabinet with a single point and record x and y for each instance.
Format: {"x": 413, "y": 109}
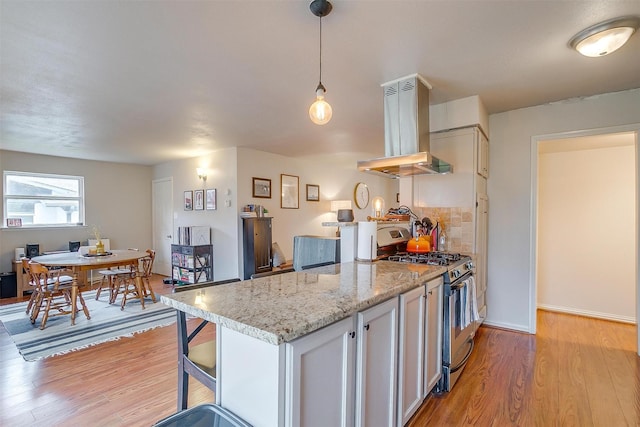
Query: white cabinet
{"x": 411, "y": 349}
{"x": 341, "y": 374}
{"x": 321, "y": 378}
{"x": 376, "y": 364}
{"x": 433, "y": 335}
{"x": 482, "y": 217}
{"x": 419, "y": 346}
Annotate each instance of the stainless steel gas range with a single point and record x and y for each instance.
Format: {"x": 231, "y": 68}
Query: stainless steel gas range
{"x": 459, "y": 310}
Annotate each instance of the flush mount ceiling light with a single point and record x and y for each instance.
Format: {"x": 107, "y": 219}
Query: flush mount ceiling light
{"x": 320, "y": 111}
{"x": 606, "y": 37}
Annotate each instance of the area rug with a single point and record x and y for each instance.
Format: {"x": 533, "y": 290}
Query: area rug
{"x": 107, "y": 323}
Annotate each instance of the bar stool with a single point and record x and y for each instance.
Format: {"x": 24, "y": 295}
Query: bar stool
{"x": 198, "y": 361}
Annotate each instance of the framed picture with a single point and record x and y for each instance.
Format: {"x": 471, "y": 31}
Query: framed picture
{"x": 289, "y": 187}
{"x": 188, "y": 200}
{"x": 198, "y": 200}
{"x": 313, "y": 193}
{"x": 262, "y": 188}
{"x": 14, "y": 222}
{"x": 211, "y": 199}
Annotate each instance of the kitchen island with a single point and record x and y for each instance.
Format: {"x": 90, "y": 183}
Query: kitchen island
{"x": 264, "y": 326}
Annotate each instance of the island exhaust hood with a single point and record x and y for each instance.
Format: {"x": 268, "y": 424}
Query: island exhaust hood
{"x": 406, "y": 132}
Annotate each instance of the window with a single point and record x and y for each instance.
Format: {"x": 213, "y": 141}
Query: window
{"x": 43, "y": 200}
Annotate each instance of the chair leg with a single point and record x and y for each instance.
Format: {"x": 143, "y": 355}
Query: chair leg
{"x": 183, "y": 390}
{"x": 101, "y": 285}
{"x": 45, "y": 316}
{"x": 31, "y": 301}
{"x": 84, "y": 307}
{"x": 36, "y": 307}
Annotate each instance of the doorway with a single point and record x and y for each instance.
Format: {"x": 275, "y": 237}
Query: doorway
{"x": 162, "y": 220}
{"x": 579, "y": 228}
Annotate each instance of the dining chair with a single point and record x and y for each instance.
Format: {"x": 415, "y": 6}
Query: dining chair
{"x": 31, "y": 283}
{"x": 129, "y": 288}
{"x": 111, "y": 280}
{"x": 199, "y": 360}
{"x": 53, "y": 293}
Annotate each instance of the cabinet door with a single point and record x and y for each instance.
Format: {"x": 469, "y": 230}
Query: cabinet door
{"x": 482, "y": 215}
{"x": 433, "y": 335}
{"x": 320, "y": 377}
{"x": 262, "y": 242}
{"x": 376, "y": 363}
{"x": 411, "y": 353}
{"x": 483, "y": 155}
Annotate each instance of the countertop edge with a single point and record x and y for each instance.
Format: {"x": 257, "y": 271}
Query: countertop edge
{"x": 277, "y": 339}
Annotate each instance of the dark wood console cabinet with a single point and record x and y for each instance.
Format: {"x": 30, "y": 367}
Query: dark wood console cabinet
{"x": 257, "y": 245}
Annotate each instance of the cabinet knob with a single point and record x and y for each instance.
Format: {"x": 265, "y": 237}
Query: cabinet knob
{"x": 366, "y": 327}
{"x": 352, "y": 334}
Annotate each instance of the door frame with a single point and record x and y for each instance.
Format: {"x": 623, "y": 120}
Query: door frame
{"x": 155, "y": 243}
{"x": 535, "y": 141}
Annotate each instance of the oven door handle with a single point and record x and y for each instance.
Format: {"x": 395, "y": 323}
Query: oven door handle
{"x": 459, "y": 282}
{"x": 466, "y": 357}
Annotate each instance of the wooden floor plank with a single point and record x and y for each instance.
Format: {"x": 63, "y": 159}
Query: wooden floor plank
{"x": 574, "y": 371}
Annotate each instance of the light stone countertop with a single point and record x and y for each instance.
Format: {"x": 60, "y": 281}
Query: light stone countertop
{"x": 283, "y": 307}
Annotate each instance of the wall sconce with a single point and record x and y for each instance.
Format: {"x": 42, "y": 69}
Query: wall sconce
{"x": 378, "y": 207}
{"x": 343, "y": 210}
{"x": 202, "y": 174}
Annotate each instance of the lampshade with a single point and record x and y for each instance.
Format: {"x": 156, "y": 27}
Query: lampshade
{"x": 336, "y": 205}
{"x": 343, "y": 210}
{"x": 606, "y": 37}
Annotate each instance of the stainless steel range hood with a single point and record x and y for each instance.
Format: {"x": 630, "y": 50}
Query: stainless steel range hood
{"x": 406, "y": 132}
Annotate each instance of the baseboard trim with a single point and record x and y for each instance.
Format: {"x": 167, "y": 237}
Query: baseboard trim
{"x": 587, "y": 313}
{"x": 508, "y": 326}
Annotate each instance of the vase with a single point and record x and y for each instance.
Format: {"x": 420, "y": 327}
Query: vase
{"x": 99, "y": 247}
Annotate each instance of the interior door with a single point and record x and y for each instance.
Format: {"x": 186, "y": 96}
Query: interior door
{"x": 162, "y": 202}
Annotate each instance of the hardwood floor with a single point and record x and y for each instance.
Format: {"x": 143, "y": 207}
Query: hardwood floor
{"x": 575, "y": 372}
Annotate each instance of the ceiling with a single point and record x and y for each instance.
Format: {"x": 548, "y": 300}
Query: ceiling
{"x": 151, "y": 81}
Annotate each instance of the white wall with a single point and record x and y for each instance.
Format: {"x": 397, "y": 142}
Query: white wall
{"x": 586, "y": 226}
{"x": 234, "y": 168}
{"x": 221, "y": 167}
{"x": 510, "y": 191}
{"x": 117, "y": 200}
{"x": 336, "y": 175}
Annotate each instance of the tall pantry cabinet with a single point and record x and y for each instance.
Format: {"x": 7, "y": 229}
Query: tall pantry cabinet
{"x": 467, "y": 149}
{"x": 256, "y": 240}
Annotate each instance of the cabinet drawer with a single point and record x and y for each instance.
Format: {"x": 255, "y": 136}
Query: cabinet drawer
{"x": 184, "y": 250}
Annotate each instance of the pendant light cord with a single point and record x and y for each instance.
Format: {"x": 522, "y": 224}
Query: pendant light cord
{"x": 320, "y": 78}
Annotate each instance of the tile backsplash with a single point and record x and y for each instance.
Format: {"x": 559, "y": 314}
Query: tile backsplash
{"x": 457, "y": 224}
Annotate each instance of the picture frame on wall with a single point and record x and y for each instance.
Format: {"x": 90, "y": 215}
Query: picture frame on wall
{"x": 313, "y": 193}
{"x": 198, "y": 200}
{"x": 290, "y": 191}
{"x": 262, "y": 188}
{"x": 211, "y": 199}
{"x": 188, "y": 200}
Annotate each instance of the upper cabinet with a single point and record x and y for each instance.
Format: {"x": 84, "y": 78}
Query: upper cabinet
{"x": 467, "y": 149}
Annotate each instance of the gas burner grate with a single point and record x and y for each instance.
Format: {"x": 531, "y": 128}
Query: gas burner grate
{"x": 429, "y": 258}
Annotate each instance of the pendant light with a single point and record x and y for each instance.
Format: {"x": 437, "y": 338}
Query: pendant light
{"x": 320, "y": 111}
{"x": 606, "y": 37}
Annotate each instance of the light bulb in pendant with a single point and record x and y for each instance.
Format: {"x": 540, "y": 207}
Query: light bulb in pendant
{"x": 320, "y": 111}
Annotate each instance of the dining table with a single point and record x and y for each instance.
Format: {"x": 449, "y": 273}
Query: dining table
{"x": 78, "y": 263}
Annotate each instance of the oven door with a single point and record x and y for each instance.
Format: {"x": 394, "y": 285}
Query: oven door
{"x": 460, "y": 336}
